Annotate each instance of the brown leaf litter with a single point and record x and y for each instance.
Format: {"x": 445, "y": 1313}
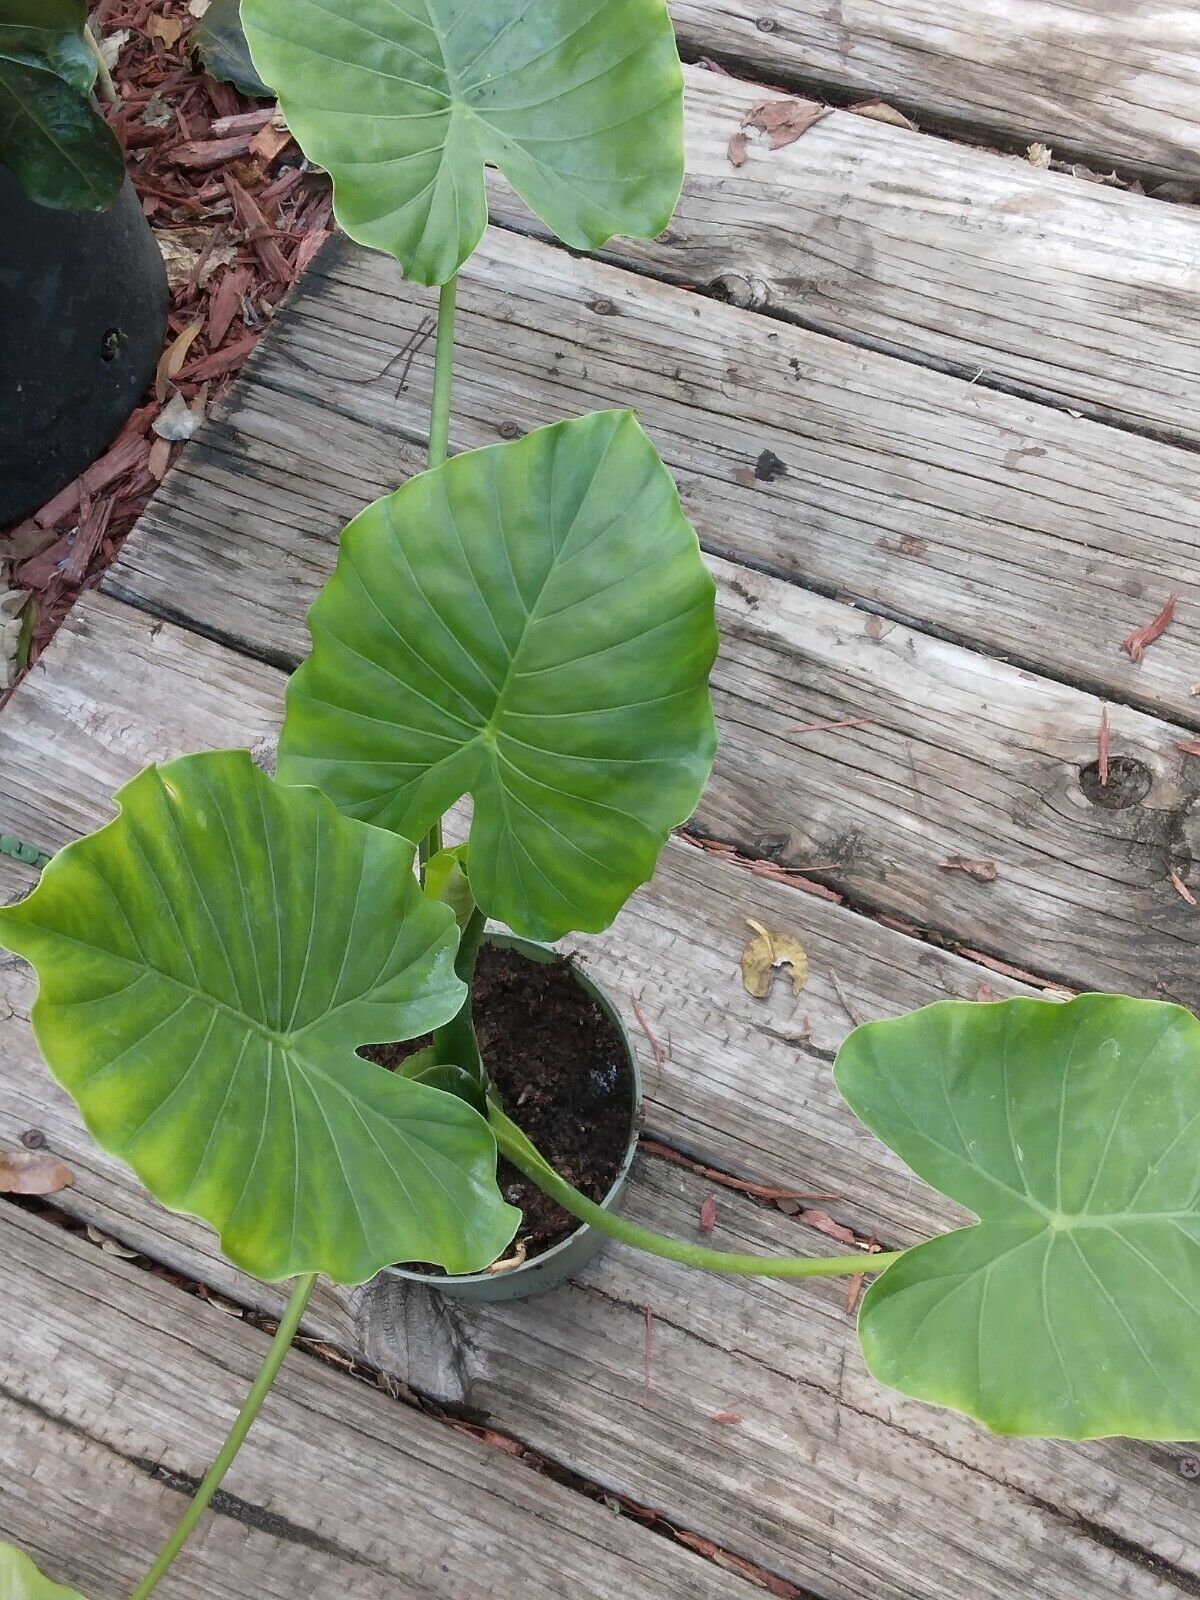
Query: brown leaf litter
{"x": 33, "y": 1172}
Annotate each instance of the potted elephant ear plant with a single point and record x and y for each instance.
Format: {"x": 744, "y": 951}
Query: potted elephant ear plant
{"x": 523, "y": 564}
{"x": 85, "y": 290}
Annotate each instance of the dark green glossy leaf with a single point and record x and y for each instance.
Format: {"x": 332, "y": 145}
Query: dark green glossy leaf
{"x": 208, "y": 964}
{"x": 578, "y": 102}
{"x": 61, "y": 150}
{"x": 533, "y": 624}
{"x": 1071, "y": 1309}
{"x": 49, "y": 33}
{"x": 21, "y": 1580}
{"x": 220, "y": 44}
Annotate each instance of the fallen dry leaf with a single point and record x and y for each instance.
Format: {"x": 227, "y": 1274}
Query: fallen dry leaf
{"x": 159, "y": 459}
{"x": 985, "y": 871}
{"x": 1135, "y": 644}
{"x": 880, "y": 111}
{"x": 766, "y": 951}
{"x": 1038, "y": 155}
{"x": 167, "y": 29}
{"x": 176, "y": 420}
{"x": 1189, "y": 747}
{"x": 708, "y": 1214}
{"x": 111, "y": 1246}
{"x": 726, "y": 1417}
{"x": 783, "y": 121}
{"x": 737, "y": 150}
{"x": 170, "y": 363}
{"x": 33, "y": 1172}
{"x": 111, "y": 46}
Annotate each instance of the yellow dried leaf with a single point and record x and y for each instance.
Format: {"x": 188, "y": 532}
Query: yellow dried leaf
{"x": 768, "y": 950}
{"x": 170, "y": 363}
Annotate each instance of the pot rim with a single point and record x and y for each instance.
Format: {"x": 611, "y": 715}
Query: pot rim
{"x": 544, "y": 1261}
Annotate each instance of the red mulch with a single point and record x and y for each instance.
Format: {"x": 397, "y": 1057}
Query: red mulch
{"x": 238, "y": 216}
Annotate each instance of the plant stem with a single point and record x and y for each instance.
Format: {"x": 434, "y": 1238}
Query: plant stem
{"x": 107, "y": 88}
{"x": 443, "y": 374}
{"x": 455, "y": 1042}
{"x": 439, "y": 440}
{"x": 212, "y": 1478}
{"x": 522, "y": 1154}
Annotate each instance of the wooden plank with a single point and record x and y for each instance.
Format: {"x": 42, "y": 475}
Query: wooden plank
{"x": 1114, "y": 84}
{"x": 118, "y": 1389}
{"x": 937, "y": 252}
{"x": 1019, "y": 529}
{"x": 824, "y": 1468}
{"x": 964, "y": 757}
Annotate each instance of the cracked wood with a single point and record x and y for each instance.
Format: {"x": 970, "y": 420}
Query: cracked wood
{"x": 1015, "y": 528}
{"x": 936, "y": 251}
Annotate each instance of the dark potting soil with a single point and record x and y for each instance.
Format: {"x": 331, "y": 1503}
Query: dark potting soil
{"x": 559, "y": 1064}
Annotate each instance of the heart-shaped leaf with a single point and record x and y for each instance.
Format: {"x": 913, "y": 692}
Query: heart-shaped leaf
{"x": 208, "y": 964}
{"x": 1071, "y": 1309}
{"x": 63, "y": 154}
{"x": 21, "y": 1580}
{"x": 533, "y": 624}
{"x": 578, "y": 102}
{"x": 49, "y": 33}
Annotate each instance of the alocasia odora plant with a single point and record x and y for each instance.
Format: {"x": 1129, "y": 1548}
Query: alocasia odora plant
{"x": 532, "y": 625}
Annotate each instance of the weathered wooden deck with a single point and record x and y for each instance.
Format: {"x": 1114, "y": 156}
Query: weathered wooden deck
{"x": 934, "y": 411}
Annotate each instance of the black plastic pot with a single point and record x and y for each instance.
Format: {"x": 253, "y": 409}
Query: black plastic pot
{"x": 83, "y": 310}
{"x": 556, "y": 1265}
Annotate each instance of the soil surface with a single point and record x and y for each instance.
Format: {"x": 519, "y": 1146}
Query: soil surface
{"x": 560, "y": 1067}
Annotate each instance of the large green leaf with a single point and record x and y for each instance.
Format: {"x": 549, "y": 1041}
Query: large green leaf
{"x": 532, "y": 623}
{"x": 21, "y": 1580}
{"x": 62, "y": 152}
{"x": 208, "y": 964}
{"x": 1072, "y": 1308}
{"x": 49, "y": 33}
{"x": 578, "y": 102}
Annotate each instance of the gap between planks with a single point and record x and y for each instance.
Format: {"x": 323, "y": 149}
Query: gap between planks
{"x": 1008, "y": 527}
{"x": 1108, "y": 85}
{"x": 118, "y": 1389}
{"x": 961, "y": 755}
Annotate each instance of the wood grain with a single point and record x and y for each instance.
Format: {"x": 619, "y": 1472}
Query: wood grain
{"x": 963, "y": 757}
{"x": 1017, "y": 529}
{"x": 1113, "y": 83}
{"x": 119, "y": 1389}
{"x": 740, "y": 1078}
{"x": 937, "y": 252}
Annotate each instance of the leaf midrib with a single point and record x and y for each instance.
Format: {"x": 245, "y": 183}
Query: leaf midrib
{"x": 148, "y": 969}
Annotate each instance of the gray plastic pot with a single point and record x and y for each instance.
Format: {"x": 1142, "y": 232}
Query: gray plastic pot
{"x": 83, "y": 306}
{"x": 564, "y": 1260}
